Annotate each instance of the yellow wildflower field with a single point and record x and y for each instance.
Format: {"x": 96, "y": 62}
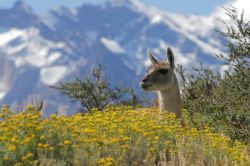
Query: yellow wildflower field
{"x": 116, "y": 136}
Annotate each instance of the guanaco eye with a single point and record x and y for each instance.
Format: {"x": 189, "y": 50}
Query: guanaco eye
{"x": 163, "y": 71}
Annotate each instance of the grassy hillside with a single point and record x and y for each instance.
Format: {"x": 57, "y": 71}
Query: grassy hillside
{"x": 116, "y": 136}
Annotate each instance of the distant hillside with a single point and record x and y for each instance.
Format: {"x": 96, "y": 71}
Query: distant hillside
{"x": 67, "y": 43}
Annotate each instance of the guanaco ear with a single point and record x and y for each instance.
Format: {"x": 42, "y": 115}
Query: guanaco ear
{"x": 171, "y": 57}
{"x": 152, "y": 57}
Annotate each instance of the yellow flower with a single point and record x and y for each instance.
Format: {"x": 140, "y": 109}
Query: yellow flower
{"x": 32, "y": 136}
{"x": 156, "y": 138}
{"x": 101, "y": 161}
{"x": 30, "y": 107}
{"x": 114, "y": 140}
{"x": 67, "y": 142}
{"x": 148, "y": 134}
{"x": 53, "y": 116}
{"x": 109, "y": 159}
{"x": 151, "y": 149}
{"x": 12, "y": 147}
{"x": 45, "y": 145}
{"x": 27, "y": 156}
{"x": 39, "y": 128}
{"x": 26, "y": 141}
{"x": 89, "y": 131}
{"x": 109, "y": 164}
{"x": 40, "y": 145}
{"x": 126, "y": 139}
{"x": 2, "y": 139}
{"x": 42, "y": 137}
{"x": 4, "y": 109}
{"x": 35, "y": 162}
{"x": 117, "y": 131}
{"x": 14, "y": 139}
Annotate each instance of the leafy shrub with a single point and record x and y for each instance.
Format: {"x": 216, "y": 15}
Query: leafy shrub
{"x": 223, "y": 102}
{"x": 116, "y": 136}
{"x": 96, "y": 92}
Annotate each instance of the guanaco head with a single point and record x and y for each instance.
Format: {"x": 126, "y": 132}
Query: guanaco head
{"x": 160, "y": 75}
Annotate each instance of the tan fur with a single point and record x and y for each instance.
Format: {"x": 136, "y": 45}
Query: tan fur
{"x": 164, "y": 83}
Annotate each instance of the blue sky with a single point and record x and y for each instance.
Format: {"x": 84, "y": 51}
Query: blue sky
{"x": 200, "y": 7}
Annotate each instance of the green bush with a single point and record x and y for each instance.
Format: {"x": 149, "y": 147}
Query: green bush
{"x": 223, "y": 101}
{"x": 96, "y": 92}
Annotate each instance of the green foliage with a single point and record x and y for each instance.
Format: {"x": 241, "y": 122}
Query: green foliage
{"x": 197, "y": 91}
{"x": 96, "y": 92}
{"x": 238, "y": 33}
{"x": 223, "y": 102}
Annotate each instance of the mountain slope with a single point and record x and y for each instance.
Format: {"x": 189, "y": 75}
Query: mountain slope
{"x": 39, "y": 51}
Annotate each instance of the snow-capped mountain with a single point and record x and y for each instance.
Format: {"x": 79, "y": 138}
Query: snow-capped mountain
{"x": 67, "y": 43}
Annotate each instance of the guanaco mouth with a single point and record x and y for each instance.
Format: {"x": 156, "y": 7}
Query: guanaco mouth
{"x": 145, "y": 86}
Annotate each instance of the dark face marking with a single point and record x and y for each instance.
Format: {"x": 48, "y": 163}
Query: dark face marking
{"x": 163, "y": 71}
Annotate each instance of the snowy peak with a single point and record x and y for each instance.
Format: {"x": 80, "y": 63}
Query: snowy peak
{"x": 19, "y": 16}
{"x": 28, "y": 47}
{"x": 117, "y": 3}
{"x": 28, "y": 61}
{"x": 21, "y": 5}
{"x": 22, "y": 9}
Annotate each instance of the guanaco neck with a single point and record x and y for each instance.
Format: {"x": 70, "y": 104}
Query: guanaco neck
{"x": 170, "y": 99}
